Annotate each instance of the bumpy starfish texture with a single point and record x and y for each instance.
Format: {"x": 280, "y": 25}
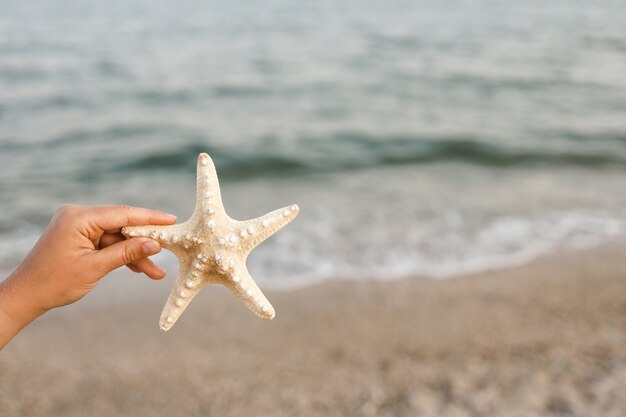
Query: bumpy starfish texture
{"x": 212, "y": 248}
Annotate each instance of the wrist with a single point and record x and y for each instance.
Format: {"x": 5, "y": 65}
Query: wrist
{"x": 18, "y": 307}
{"x": 8, "y": 326}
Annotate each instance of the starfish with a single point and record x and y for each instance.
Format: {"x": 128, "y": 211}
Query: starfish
{"x": 212, "y": 248}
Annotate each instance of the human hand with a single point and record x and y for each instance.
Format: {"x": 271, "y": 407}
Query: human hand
{"x": 78, "y": 248}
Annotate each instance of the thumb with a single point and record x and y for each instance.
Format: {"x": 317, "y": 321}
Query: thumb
{"x": 127, "y": 251}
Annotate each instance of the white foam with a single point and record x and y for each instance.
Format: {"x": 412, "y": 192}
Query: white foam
{"x": 438, "y": 253}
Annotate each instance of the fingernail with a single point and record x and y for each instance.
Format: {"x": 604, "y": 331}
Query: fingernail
{"x": 151, "y": 247}
{"x": 170, "y": 216}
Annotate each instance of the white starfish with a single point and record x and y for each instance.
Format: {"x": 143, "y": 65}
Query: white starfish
{"x": 212, "y": 248}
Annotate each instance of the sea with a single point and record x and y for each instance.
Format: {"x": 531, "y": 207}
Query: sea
{"x": 420, "y": 138}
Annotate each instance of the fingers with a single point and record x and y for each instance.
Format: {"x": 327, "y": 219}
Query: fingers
{"x": 149, "y": 268}
{"x": 125, "y": 252}
{"x": 116, "y": 252}
{"x": 144, "y": 265}
{"x": 116, "y": 217}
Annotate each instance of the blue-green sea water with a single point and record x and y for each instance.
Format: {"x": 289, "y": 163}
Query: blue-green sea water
{"x": 420, "y": 138}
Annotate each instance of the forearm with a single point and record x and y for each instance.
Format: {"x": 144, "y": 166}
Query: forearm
{"x": 17, "y": 309}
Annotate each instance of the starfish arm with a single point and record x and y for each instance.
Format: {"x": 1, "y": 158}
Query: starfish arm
{"x": 243, "y": 286}
{"x": 208, "y": 196}
{"x": 175, "y": 237}
{"x": 187, "y": 285}
{"x": 255, "y": 231}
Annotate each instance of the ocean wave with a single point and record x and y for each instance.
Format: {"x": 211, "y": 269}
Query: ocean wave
{"x": 350, "y": 151}
{"x": 126, "y": 148}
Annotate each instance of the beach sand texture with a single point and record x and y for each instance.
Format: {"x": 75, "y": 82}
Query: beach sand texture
{"x": 544, "y": 339}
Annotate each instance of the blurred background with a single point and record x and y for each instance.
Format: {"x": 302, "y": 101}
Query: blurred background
{"x": 420, "y": 138}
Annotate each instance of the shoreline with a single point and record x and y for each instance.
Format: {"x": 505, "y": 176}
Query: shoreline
{"x": 546, "y": 338}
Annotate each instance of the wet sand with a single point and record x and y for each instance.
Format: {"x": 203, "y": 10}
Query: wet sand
{"x": 547, "y": 338}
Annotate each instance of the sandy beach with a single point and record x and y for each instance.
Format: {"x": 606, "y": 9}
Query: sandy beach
{"x": 547, "y": 338}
